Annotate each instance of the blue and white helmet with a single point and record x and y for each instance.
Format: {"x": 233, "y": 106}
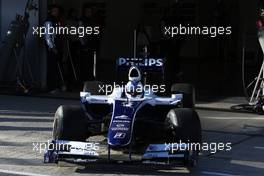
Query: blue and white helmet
{"x": 134, "y": 88}
{"x": 134, "y": 74}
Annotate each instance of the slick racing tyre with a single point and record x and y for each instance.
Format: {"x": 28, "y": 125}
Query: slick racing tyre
{"x": 70, "y": 124}
{"x": 183, "y": 125}
{"x": 94, "y": 87}
{"x": 188, "y": 94}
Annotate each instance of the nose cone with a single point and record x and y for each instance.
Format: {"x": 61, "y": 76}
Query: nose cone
{"x": 134, "y": 74}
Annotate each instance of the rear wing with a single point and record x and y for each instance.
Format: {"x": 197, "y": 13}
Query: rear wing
{"x": 145, "y": 64}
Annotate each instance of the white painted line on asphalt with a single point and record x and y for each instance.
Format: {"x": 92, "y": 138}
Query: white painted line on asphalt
{"x": 260, "y": 148}
{"x": 19, "y": 173}
{"x": 234, "y": 118}
{"x": 24, "y": 112}
{"x": 217, "y": 173}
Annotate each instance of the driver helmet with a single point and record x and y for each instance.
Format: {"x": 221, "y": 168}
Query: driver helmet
{"x": 134, "y": 88}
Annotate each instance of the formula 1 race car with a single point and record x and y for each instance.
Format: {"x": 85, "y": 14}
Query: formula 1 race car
{"x": 133, "y": 119}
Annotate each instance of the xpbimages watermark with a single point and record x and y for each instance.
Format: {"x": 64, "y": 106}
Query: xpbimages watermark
{"x": 211, "y": 147}
{"x": 61, "y": 30}
{"x": 108, "y": 88}
{"x": 41, "y": 147}
{"x": 212, "y": 31}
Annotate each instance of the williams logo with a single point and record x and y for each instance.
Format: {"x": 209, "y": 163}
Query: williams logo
{"x": 120, "y": 135}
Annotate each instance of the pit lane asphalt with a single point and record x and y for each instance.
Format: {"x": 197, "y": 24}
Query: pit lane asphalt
{"x": 25, "y": 120}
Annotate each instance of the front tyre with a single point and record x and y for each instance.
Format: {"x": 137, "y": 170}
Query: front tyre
{"x": 183, "y": 126}
{"x": 70, "y": 124}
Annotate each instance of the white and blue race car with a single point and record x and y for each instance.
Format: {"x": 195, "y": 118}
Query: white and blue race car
{"x": 132, "y": 117}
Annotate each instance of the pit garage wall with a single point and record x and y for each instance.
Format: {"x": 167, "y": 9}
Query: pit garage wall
{"x": 241, "y": 15}
{"x": 9, "y": 9}
{"x": 117, "y": 38}
{"x": 122, "y": 18}
{"x": 224, "y": 64}
{"x": 201, "y": 55}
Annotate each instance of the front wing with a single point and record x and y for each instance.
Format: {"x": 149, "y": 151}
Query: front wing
{"x": 60, "y": 150}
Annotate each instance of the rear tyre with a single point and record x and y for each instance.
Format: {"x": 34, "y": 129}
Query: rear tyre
{"x": 183, "y": 125}
{"x": 94, "y": 87}
{"x": 188, "y": 94}
{"x": 70, "y": 124}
